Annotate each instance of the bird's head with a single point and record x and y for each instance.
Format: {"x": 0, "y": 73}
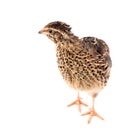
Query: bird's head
{"x": 56, "y": 31}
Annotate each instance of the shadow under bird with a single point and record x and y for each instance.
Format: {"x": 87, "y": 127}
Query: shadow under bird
{"x": 84, "y": 63}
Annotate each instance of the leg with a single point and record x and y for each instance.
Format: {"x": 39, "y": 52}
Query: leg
{"x": 92, "y": 111}
{"x": 78, "y": 102}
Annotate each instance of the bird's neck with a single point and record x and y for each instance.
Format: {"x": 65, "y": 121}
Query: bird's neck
{"x": 68, "y": 41}
{"x": 68, "y": 38}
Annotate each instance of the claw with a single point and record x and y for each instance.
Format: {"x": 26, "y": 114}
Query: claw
{"x": 79, "y": 103}
{"x": 91, "y": 114}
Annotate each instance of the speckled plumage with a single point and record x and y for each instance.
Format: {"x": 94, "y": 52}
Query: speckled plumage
{"x": 84, "y": 63}
{"x": 86, "y": 67}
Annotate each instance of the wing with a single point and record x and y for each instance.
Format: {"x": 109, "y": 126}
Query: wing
{"x": 99, "y": 52}
{"x": 94, "y": 46}
{"x": 97, "y": 48}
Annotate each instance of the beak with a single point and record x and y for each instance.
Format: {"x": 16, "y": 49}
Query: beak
{"x": 42, "y": 31}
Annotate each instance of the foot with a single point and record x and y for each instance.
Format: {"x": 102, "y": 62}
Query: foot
{"x": 91, "y": 114}
{"x": 79, "y": 103}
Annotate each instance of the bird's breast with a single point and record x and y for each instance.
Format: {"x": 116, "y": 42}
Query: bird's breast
{"x": 77, "y": 71}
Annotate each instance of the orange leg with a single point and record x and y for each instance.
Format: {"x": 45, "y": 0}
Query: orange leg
{"x": 78, "y": 102}
{"x": 92, "y": 112}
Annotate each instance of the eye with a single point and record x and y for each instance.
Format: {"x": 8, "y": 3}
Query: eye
{"x": 50, "y": 31}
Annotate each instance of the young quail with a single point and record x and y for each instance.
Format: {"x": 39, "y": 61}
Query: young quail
{"x": 84, "y": 63}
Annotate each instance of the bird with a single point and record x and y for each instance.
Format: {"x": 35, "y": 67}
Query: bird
{"x": 84, "y": 63}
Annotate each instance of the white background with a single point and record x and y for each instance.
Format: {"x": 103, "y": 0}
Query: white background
{"x": 33, "y": 95}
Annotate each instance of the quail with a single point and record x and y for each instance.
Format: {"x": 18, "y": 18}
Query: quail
{"x": 84, "y": 63}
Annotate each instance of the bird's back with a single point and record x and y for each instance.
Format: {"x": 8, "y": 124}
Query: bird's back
{"x": 85, "y": 66}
